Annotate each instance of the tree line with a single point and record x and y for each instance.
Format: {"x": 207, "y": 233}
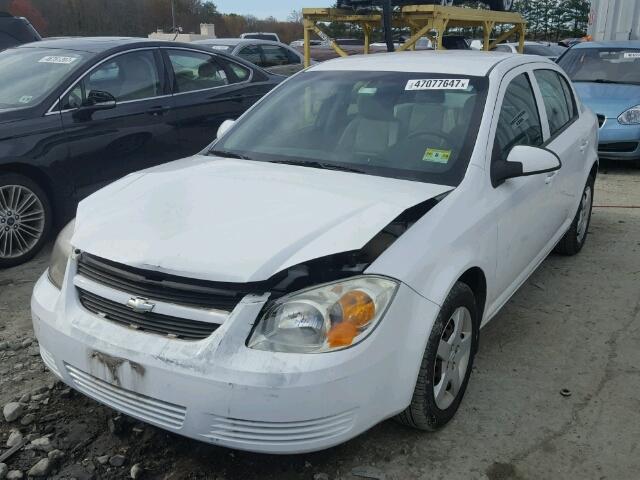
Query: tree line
{"x": 139, "y": 18}
{"x": 548, "y": 20}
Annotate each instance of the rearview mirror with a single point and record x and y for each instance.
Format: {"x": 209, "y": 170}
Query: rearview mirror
{"x": 224, "y": 127}
{"x": 524, "y": 160}
{"x": 96, "y": 100}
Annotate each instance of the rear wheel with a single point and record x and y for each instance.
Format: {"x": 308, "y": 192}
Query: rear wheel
{"x": 574, "y": 239}
{"x": 446, "y": 363}
{"x": 25, "y": 219}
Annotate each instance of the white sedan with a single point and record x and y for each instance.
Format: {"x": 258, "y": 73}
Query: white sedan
{"x": 328, "y": 261}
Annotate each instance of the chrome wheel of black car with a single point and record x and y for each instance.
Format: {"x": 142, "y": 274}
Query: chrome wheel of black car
{"x": 21, "y": 220}
{"x": 25, "y": 219}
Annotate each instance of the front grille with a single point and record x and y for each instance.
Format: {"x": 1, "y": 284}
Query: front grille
{"x": 620, "y": 147}
{"x": 163, "y": 287}
{"x": 148, "y": 409}
{"x": 147, "y": 321}
{"x": 601, "y": 119}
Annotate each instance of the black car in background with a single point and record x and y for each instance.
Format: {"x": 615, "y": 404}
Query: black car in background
{"x": 16, "y": 31}
{"x": 78, "y": 113}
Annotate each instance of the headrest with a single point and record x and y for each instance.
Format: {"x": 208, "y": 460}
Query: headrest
{"x": 375, "y": 106}
{"x": 206, "y": 70}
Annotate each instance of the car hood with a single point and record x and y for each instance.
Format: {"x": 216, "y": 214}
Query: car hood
{"x": 608, "y": 99}
{"x": 238, "y": 220}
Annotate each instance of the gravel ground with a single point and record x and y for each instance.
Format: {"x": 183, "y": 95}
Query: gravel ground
{"x": 574, "y": 325}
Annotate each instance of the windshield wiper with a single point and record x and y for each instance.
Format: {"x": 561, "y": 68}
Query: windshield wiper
{"x": 321, "y": 165}
{"x": 228, "y": 154}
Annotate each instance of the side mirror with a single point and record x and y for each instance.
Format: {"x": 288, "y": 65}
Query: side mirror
{"x": 224, "y": 127}
{"x": 523, "y": 161}
{"x": 96, "y": 100}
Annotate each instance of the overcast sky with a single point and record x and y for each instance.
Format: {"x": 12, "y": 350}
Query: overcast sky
{"x": 265, "y": 8}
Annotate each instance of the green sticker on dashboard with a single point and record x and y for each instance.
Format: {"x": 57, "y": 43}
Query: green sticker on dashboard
{"x": 437, "y": 156}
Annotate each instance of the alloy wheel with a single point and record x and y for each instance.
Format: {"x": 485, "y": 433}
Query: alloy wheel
{"x": 584, "y": 213}
{"x": 22, "y": 220}
{"x": 452, "y": 358}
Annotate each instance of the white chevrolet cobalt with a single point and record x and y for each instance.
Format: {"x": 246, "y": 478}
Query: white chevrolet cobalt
{"x": 328, "y": 261}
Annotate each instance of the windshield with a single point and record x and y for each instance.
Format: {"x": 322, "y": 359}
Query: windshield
{"x": 27, "y": 75}
{"x": 608, "y": 65}
{"x": 417, "y": 126}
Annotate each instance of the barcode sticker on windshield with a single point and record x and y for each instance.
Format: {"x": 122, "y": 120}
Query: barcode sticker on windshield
{"x": 438, "y": 84}
{"x": 219, "y": 47}
{"x": 631, "y": 54}
{"x": 57, "y": 59}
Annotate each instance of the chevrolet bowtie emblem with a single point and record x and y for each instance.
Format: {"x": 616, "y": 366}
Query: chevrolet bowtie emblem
{"x": 139, "y": 304}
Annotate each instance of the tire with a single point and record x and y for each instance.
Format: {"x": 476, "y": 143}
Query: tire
{"x": 575, "y": 238}
{"x": 25, "y": 219}
{"x": 501, "y": 5}
{"x": 427, "y": 410}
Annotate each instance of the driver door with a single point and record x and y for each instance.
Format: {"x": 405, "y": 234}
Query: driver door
{"x": 524, "y": 205}
{"x": 138, "y": 133}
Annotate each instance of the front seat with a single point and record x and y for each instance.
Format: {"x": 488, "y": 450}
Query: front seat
{"x": 138, "y": 79}
{"x": 374, "y": 129}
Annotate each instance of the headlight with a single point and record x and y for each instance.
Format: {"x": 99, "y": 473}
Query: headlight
{"x": 324, "y": 318}
{"x": 631, "y": 116}
{"x": 60, "y": 255}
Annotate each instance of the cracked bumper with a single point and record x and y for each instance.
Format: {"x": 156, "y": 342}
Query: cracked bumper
{"x": 219, "y": 391}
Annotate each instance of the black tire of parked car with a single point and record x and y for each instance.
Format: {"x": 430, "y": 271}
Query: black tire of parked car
{"x": 503, "y": 5}
{"x": 7, "y": 179}
{"x": 571, "y": 243}
{"x": 423, "y": 413}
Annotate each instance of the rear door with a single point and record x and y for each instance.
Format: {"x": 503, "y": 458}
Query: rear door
{"x": 568, "y": 138}
{"x": 207, "y": 90}
{"x": 138, "y": 133}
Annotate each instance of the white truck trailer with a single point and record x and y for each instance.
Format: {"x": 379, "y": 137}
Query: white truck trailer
{"x": 614, "y": 20}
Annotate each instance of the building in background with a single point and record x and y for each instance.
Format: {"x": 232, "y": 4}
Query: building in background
{"x": 207, "y": 31}
{"x": 614, "y": 20}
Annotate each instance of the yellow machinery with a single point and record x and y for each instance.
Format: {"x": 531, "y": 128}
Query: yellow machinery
{"x": 422, "y": 20}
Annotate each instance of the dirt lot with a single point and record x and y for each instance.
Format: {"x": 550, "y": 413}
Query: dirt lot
{"x": 574, "y": 325}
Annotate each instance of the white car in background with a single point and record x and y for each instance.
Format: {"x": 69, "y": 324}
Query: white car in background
{"x": 328, "y": 262}
{"x": 274, "y": 57}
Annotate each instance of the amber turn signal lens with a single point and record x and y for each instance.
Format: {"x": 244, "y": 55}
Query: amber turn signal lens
{"x": 357, "y": 308}
{"x": 342, "y": 334}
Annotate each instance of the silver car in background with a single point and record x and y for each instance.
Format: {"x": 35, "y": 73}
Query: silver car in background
{"x": 274, "y": 57}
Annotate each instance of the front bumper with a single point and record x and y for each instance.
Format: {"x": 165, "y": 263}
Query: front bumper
{"x": 219, "y": 391}
{"x": 618, "y": 142}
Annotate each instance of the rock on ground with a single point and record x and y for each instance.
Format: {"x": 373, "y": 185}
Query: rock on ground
{"x": 12, "y": 411}
{"x": 136, "y": 471}
{"x": 15, "y": 475}
{"x": 41, "y": 469}
{"x": 3, "y": 471}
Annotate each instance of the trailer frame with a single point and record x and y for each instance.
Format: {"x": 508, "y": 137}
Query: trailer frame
{"x": 422, "y": 20}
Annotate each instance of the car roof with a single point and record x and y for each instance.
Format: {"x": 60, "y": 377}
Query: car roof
{"x": 101, "y": 44}
{"x": 456, "y": 62}
{"x": 609, "y": 44}
{"x": 236, "y": 41}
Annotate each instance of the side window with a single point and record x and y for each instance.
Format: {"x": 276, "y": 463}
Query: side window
{"x": 251, "y": 53}
{"x": 241, "y": 73}
{"x": 293, "y": 58}
{"x": 196, "y": 71}
{"x": 274, "y": 56}
{"x": 519, "y": 122}
{"x": 558, "y": 101}
{"x": 130, "y": 76}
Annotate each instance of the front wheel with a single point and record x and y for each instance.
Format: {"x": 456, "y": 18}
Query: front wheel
{"x": 575, "y": 238}
{"x": 446, "y": 363}
{"x": 25, "y": 219}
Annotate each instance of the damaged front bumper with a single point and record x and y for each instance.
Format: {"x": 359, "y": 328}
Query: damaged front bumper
{"x": 219, "y": 391}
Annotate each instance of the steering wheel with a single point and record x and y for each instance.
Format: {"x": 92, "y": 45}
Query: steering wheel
{"x": 442, "y": 139}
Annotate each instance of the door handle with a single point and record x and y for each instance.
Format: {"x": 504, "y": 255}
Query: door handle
{"x": 159, "y": 110}
{"x": 584, "y": 145}
{"x": 549, "y": 178}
